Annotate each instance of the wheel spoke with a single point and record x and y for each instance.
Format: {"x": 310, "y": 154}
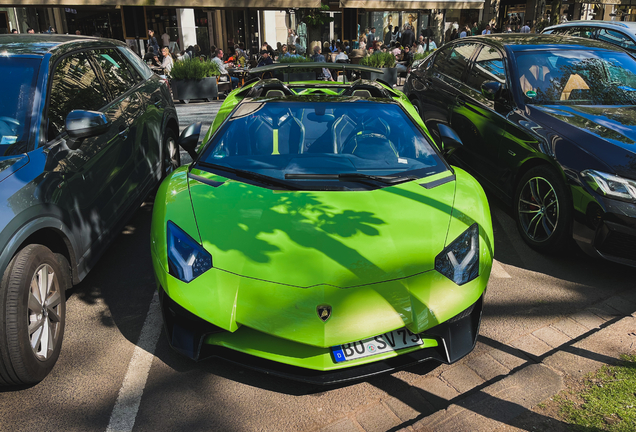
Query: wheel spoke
{"x": 34, "y": 326}
{"x": 43, "y": 282}
{"x": 46, "y": 339}
{"x": 35, "y": 289}
{"x": 537, "y": 221}
{"x": 529, "y": 211}
{"x": 54, "y": 300}
{"x": 545, "y": 223}
{"x": 37, "y": 336}
{"x": 529, "y": 203}
{"x": 534, "y": 190}
{"x": 34, "y": 303}
{"x": 53, "y": 316}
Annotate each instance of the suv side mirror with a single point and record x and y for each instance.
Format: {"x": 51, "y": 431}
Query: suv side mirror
{"x": 450, "y": 140}
{"x": 190, "y": 138}
{"x": 83, "y": 124}
{"x": 491, "y": 90}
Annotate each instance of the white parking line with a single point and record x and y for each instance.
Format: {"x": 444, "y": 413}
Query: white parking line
{"x": 498, "y": 271}
{"x": 127, "y": 404}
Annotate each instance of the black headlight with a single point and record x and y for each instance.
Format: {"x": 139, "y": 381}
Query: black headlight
{"x": 459, "y": 261}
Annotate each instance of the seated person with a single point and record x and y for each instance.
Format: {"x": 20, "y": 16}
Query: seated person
{"x": 341, "y": 55}
{"x": 319, "y": 58}
{"x": 167, "y": 62}
{"x": 265, "y": 59}
{"x": 218, "y": 59}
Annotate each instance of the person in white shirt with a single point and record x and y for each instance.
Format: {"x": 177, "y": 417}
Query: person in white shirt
{"x": 165, "y": 39}
{"x": 341, "y": 55}
{"x": 166, "y": 63}
{"x": 525, "y": 28}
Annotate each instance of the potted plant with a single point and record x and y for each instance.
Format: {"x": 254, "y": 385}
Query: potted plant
{"x": 194, "y": 79}
{"x": 384, "y": 61}
{"x": 302, "y": 74}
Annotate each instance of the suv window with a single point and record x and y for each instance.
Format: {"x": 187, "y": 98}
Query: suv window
{"x": 120, "y": 76}
{"x": 453, "y": 60}
{"x": 615, "y": 38}
{"x": 133, "y": 58}
{"x": 488, "y": 66}
{"x": 74, "y": 86}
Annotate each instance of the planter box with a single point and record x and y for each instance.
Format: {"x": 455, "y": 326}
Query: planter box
{"x": 185, "y": 90}
{"x": 388, "y": 74}
{"x": 299, "y": 76}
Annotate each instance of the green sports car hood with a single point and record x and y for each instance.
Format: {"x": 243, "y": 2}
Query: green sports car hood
{"x": 309, "y": 238}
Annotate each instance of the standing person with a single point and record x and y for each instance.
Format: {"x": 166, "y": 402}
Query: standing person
{"x": 487, "y": 30}
{"x": 454, "y": 35}
{"x": 152, "y": 42}
{"x": 464, "y": 32}
{"x": 371, "y": 37}
{"x": 525, "y": 28}
{"x": 165, "y": 39}
{"x": 291, "y": 38}
{"x": 387, "y": 36}
{"x": 408, "y": 37}
{"x": 475, "y": 30}
{"x": 363, "y": 43}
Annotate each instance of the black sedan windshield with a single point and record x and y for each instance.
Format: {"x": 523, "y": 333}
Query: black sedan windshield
{"x": 16, "y": 101}
{"x": 576, "y": 77}
{"x": 326, "y": 141}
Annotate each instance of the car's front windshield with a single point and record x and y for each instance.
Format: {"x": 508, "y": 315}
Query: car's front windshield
{"x": 576, "y": 77}
{"x": 304, "y": 141}
{"x": 19, "y": 76}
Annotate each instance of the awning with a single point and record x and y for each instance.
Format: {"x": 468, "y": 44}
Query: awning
{"x": 256, "y": 4}
{"x": 412, "y": 4}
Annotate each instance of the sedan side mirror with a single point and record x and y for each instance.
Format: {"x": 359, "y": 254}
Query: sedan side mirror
{"x": 450, "y": 140}
{"x": 190, "y": 138}
{"x": 83, "y": 124}
{"x": 491, "y": 90}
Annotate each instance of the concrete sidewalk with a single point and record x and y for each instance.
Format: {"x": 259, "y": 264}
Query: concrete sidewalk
{"x": 496, "y": 383}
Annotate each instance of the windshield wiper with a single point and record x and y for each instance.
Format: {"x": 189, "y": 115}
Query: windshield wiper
{"x": 249, "y": 175}
{"x": 352, "y": 177}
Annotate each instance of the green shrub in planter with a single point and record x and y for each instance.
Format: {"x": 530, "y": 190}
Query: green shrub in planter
{"x": 194, "y": 69}
{"x": 379, "y": 60}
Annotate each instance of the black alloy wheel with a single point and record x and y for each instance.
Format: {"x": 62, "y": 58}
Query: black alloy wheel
{"x": 32, "y": 314}
{"x": 543, "y": 209}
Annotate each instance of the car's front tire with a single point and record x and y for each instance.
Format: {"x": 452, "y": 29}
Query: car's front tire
{"x": 32, "y": 314}
{"x": 543, "y": 210}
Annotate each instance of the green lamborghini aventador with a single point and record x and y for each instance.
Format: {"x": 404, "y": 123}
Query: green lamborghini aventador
{"x": 321, "y": 235}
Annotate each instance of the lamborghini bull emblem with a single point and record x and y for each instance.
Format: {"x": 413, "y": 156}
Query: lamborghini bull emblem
{"x": 324, "y": 312}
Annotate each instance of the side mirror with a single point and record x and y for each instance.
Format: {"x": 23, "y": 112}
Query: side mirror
{"x": 84, "y": 124}
{"x": 450, "y": 140}
{"x": 190, "y": 138}
{"x": 491, "y": 90}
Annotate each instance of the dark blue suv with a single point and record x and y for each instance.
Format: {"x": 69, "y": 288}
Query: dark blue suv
{"x": 86, "y": 132}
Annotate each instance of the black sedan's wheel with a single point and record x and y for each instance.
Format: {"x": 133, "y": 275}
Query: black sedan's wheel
{"x": 543, "y": 210}
{"x": 32, "y": 314}
{"x": 171, "y": 155}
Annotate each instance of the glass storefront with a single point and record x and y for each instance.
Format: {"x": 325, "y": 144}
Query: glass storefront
{"x": 95, "y": 21}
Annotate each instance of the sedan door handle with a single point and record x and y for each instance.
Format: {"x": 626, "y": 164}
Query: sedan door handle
{"x": 123, "y": 131}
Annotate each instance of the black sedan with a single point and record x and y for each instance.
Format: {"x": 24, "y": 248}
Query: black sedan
{"x": 548, "y": 123}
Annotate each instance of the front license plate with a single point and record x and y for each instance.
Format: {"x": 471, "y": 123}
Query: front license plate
{"x": 392, "y": 341}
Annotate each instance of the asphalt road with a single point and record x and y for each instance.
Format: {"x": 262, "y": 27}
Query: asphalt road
{"x": 112, "y": 373}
